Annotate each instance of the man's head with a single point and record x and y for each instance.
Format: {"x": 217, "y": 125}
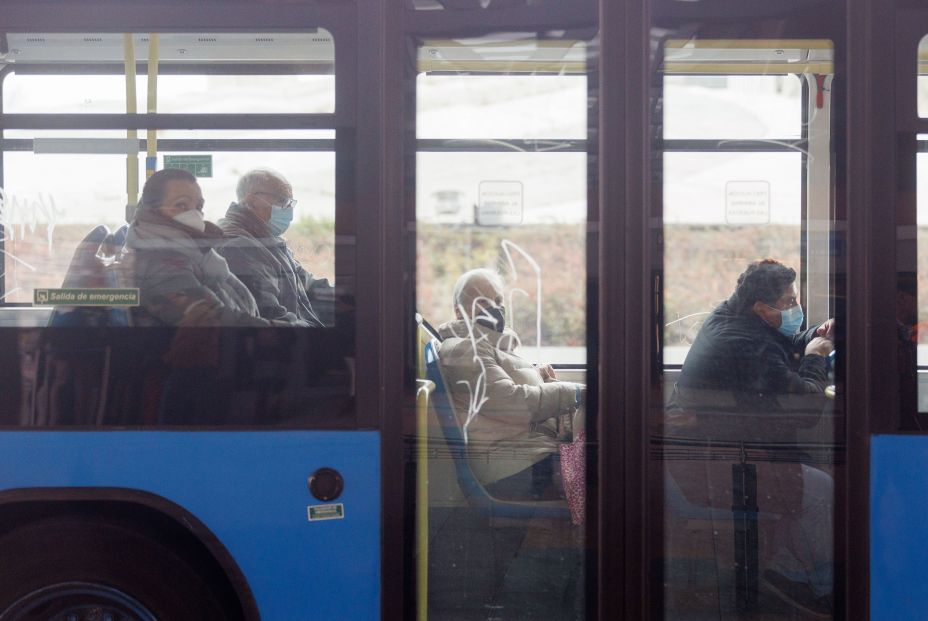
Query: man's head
{"x": 265, "y": 192}
{"x": 764, "y": 289}
{"x": 477, "y": 290}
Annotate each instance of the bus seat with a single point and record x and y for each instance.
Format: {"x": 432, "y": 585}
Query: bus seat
{"x": 477, "y": 496}
{"x": 94, "y": 265}
{"x": 84, "y": 269}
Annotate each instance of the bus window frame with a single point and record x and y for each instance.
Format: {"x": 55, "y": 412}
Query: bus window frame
{"x": 339, "y": 22}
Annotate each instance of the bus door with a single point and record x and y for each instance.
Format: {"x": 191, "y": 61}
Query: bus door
{"x": 745, "y": 435}
{"x": 501, "y": 190}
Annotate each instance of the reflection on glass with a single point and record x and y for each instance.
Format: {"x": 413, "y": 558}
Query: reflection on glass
{"x": 731, "y": 107}
{"x": 304, "y": 71}
{"x": 744, "y": 449}
{"x": 923, "y": 77}
{"x": 227, "y": 264}
{"x": 722, "y": 210}
{"x": 501, "y": 202}
{"x": 51, "y": 201}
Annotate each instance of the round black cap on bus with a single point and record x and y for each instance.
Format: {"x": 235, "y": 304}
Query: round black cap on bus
{"x": 326, "y": 484}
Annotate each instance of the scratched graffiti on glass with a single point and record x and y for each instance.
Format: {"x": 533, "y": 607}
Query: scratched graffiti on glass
{"x": 477, "y": 390}
{"x": 25, "y": 221}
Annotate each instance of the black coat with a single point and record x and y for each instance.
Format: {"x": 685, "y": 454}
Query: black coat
{"x": 739, "y": 363}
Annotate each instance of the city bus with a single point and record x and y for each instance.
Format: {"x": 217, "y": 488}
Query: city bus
{"x": 617, "y": 164}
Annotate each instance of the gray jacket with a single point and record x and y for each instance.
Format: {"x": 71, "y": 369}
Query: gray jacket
{"x": 282, "y": 289}
{"x": 175, "y": 267}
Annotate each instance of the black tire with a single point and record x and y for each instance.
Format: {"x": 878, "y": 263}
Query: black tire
{"x": 62, "y": 565}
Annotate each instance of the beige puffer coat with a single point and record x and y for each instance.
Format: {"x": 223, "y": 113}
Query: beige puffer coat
{"x": 507, "y": 416}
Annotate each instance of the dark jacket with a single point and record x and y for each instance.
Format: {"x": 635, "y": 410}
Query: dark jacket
{"x": 175, "y": 266}
{"x": 739, "y": 363}
{"x": 282, "y": 289}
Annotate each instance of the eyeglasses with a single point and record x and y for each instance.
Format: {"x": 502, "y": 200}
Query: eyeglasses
{"x": 283, "y": 201}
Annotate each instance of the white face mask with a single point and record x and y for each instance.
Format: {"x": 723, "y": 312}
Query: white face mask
{"x": 192, "y": 218}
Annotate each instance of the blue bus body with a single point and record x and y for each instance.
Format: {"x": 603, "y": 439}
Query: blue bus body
{"x": 249, "y": 488}
{"x": 898, "y": 530}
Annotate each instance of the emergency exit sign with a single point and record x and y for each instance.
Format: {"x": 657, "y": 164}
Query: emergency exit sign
{"x": 196, "y": 165}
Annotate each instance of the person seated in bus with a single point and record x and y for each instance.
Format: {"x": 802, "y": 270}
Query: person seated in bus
{"x": 182, "y": 280}
{"x": 514, "y": 414}
{"x": 750, "y": 347}
{"x": 259, "y": 256}
{"x": 750, "y": 363}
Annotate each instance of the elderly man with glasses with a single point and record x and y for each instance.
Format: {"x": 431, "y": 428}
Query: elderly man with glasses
{"x": 260, "y": 258}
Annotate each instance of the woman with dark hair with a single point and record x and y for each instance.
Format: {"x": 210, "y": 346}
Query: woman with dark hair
{"x": 183, "y": 281}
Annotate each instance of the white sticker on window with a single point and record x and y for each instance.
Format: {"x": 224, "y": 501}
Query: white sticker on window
{"x": 500, "y": 203}
{"x": 747, "y": 202}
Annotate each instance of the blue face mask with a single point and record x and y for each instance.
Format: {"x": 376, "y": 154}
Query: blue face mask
{"x": 280, "y": 220}
{"x": 790, "y": 320}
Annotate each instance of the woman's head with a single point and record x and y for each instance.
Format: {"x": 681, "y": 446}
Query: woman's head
{"x": 171, "y": 191}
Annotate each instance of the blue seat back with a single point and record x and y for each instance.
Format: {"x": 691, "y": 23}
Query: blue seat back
{"x": 476, "y": 494}
{"x": 90, "y": 267}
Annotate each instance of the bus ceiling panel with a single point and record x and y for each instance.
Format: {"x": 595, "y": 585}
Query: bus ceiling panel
{"x": 746, "y": 10}
{"x": 576, "y": 16}
{"x": 123, "y": 146}
{"x": 520, "y": 52}
{"x": 748, "y": 56}
{"x": 503, "y": 53}
{"x": 171, "y": 121}
{"x": 500, "y": 145}
{"x": 315, "y": 47}
{"x": 195, "y": 68}
{"x": 173, "y": 16}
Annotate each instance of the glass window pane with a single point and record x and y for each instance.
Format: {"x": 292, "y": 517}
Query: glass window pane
{"x": 923, "y": 77}
{"x": 502, "y": 180}
{"x": 744, "y": 452}
{"x": 726, "y": 107}
{"x": 721, "y": 211}
{"x": 524, "y": 107}
{"x": 248, "y": 73}
{"x": 214, "y": 294}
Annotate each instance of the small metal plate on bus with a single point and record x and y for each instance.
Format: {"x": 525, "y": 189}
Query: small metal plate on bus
{"x": 325, "y": 512}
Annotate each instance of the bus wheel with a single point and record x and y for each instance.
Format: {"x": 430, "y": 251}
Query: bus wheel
{"x": 66, "y": 568}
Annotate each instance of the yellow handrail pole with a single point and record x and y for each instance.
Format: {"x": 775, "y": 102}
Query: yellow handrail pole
{"x": 132, "y": 156}
{"x": 151, "y": 162}
{"x": 424, "y": 388}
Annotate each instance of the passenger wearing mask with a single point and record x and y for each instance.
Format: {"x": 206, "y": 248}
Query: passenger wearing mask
{"x": 752, "y": 375}
{"x": 751, "y": 348}
{"x": 182, "y": 280}
{"x": 259, "y": 256}
{"x": 513, "y": 413}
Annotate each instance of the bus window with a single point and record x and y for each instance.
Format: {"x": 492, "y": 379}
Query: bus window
{"x": 912, "y": 293}
{"x": 744, "y": 451}
{"x": 502, "y": 180}
{"x": 253, "y": 328}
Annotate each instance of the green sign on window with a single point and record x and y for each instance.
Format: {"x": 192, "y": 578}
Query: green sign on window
{"x": 87, "y": 296}
{"x": 196, "y": 165}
